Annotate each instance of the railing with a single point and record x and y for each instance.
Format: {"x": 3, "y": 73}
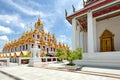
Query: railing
{"x": 41, "y": 59}
{"x": 4, "y": 61}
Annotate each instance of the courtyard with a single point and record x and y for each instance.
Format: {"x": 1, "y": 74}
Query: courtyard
{"x": 51, "y": 71}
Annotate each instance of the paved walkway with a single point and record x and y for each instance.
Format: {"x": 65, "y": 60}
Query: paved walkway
{"x": 32, "y": 73}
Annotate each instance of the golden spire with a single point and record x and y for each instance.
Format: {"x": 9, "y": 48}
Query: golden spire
{"x": 39, "y": 24}
{"x": 48, "y": 35}
{"x": 31, "y": 26}
{"x": 39, "y": 18}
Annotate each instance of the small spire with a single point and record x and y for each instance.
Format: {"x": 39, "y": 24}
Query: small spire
{"x": 39, "y": 18}
{"x": 31, "y": 26}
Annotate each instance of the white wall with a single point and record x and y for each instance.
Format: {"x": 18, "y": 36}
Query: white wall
{"x": 113, "y": 25}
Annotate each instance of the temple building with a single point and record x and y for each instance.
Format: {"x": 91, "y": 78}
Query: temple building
{"x": 21, "y": 47}
{"x": 95, "y": 28}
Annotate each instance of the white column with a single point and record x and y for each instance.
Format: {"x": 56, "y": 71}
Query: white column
{"x": 81, "y": 40}
{"x": 45, "y": 59}
{"x": 94, "y": 33}
{"x": 90, "y": 32}
{"x": 78, "y": 36}
{"x": 19, "y": 61}
{"x": 8, "y": 61}
{"x": 85, "y": 42}
{"x": 74, "y": 34}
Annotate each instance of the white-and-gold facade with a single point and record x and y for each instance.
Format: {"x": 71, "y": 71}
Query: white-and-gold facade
{"x": 22, "y": 46}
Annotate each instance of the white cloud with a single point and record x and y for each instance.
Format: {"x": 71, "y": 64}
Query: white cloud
{"x": 68, "y": 25}
{"x": 0, "y": 50}
{"x": 12, "y": 20}
{"x": 64, "y": 39}
{"x": 9, "y": 18}
{"x": 22, "y": 25}
{"x": 61, "y": 5}
{"x": 5, "y": 30}
{"x": 27, "y": 9}
{"x": 4, "y": 38}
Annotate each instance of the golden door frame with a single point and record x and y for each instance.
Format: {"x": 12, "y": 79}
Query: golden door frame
{"x": 107, "y": 35}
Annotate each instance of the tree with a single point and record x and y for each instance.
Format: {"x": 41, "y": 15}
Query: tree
{"x": 69, "y": 55}
{"x": 60, "y": 54}
{"x": 73, "y": 55}
{"x": 79, "y": 53}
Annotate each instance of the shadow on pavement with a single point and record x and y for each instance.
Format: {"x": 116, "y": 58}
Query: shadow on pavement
{"x": 11, "y": 76}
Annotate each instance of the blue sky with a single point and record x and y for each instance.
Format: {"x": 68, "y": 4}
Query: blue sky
{"x": 16, "y": 16}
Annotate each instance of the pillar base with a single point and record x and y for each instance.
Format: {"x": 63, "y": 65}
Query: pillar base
{"x": 34, "y": 62}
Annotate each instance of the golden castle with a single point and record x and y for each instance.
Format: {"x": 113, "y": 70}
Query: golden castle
{"x": 22, "y": 46}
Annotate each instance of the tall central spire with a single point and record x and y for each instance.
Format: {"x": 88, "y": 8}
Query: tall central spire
{"x": 39, "y": 25}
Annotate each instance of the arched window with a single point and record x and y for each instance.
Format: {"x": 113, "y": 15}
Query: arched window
{"x": 32, "y": 45}
{"x": 33, "y": 35}
{"x": 38, "y": 36}
{"x": 26, "y": 46}
{"x": 20, "y": 47}
{"x": 51, "y": 49}
{"x": 38, "y": 46}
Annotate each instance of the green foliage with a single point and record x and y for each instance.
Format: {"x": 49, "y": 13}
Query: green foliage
{"x": 27, "y": 56}
{"x": 79, "y": 53}
{"x": 60, "y": 54}
{"x": 69, "y": 55}
{"x": 73, "y": 55}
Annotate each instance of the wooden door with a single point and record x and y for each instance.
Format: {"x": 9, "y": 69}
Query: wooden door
{"x": 106, "y": 45}
{"x": 107, "y": 41}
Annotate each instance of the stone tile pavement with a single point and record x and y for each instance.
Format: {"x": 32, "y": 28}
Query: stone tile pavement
{"x": 32, "y": 73}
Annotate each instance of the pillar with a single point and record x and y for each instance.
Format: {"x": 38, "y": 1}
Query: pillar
{"x": 74, "y": 34}
{"x": 95, "y": 35}
{"x": 90, "y": 32}
{"x": 78, "y": 37}
{"x": 84, "y": 42}
{"x": 81, "y": 40}
{"x": 8, "y": 62}
{"x": 19, "y": 61}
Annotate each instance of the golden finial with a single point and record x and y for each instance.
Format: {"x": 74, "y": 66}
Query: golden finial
{"x": 30, "y": 26}
{"x": 38, "y": 18}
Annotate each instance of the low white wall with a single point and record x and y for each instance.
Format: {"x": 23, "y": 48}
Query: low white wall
{"x": 105, "y": 59}
{"x": 102, "y": 55}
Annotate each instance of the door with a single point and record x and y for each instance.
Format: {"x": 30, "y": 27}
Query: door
{"x": 106, "y": 45}
{"x": 107, "y": 41}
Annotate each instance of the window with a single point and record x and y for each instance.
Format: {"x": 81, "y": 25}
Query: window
{"x": 38, "y": 46}
{"x": 44, "y": 47}
{"x": 54, "y": 49}
{"x": 32, "y": 45}
{"x": 45, "y": 38}
{"x": 33, "y": 35}
{"x": 15, "y": 48}
{"x": 47, "y": 50}
{"x": 23, "y": 47}
{"x": 26, "y": 47}
{"x": 52, "y": 41}
{"x": 20, "y": 47}
{"x": 51, "y": 49}
{"x": 38, "y": 36}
